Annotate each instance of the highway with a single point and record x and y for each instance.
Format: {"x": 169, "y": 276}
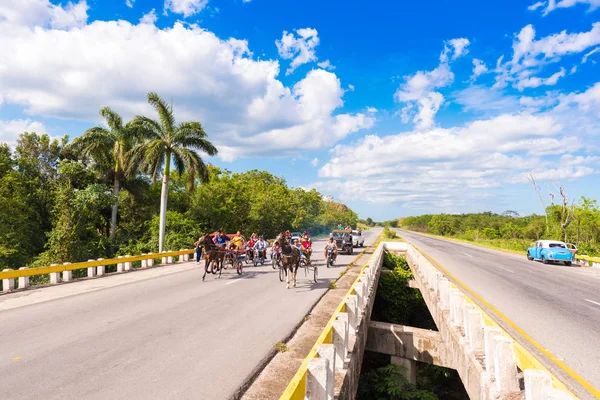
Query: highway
{"x": 558, "y": 306}
{"x": 164, "y": 337}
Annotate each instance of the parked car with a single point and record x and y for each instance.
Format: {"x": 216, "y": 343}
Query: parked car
{"x": 296, "y": 235}
{"x": 357, "y": 239}
{"x": 550, "y": 251}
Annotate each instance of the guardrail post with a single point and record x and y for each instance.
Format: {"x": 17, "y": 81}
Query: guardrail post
{"x": 316, "y": 379}
{"x": 144, "y": 262}
{"x": 456, "y": 301}
{"x": 358, "y": 289}
{"x": 327, "y": 352}
{"x": 54, "y": 276}
{"x": 8, "y": 284}
{"x": 165, "y": 260}
{"x": 466, "y": 307}
{"x": 150, "y": 262}
{"x": 339, "y": 337}
{"x": 505, "y": 368}
{"x": 128, "y": 264}
{"x": 344, "y": 317}
{"x": 476, "y": 331}
{"x": 170, "y": 259}
{"x": 23, "y": 280}
{"x": 100, "y": 270}
{"x": 489, "y": 333}
{"x": 120, "y": 265}
{"x": 91, "y": 271}
{"x": 536, "y": 381}
{"x": 67, "y": 276}
{"x": 352, "y": 310}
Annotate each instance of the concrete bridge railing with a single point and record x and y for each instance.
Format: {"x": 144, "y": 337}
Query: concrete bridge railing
{"x": 486, "y": 357}
{"x": 93, "y": 267}
{"x": 332, "y": 368}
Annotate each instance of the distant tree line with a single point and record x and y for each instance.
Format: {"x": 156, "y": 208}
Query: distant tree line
{"x": 583, "y": 227}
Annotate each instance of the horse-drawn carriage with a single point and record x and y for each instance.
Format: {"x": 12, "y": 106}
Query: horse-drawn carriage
{"x": 288, "y": 259}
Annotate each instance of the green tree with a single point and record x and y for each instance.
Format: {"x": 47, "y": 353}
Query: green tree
{"x": 441, "y": 224}
{"x": 111, "y": 148}
{"x": 166, "y": 142}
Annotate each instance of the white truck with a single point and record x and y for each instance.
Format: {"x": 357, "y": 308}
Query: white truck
{"x": 357, "y": 238}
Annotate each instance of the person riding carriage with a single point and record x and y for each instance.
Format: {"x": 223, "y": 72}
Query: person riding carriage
{"x": 306, "y": 247}
{"x": 261, "y": 247}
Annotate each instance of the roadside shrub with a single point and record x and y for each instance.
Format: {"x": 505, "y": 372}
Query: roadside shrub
{"x": 388, "y": 383}
{"x": 388, "y": 233}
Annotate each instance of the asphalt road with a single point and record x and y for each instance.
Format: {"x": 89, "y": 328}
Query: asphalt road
{"x": 556, "y": 305}
{"x": 168, "y": 337}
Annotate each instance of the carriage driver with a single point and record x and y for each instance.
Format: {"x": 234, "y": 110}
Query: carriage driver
{"x": 306, "y": 247}
{"x": 220, "y": 240}
{"x": 261, "y": 246}
{"x": 332, "y": 246}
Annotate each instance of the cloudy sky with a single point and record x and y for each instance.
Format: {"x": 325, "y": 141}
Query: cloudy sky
{"x": 397, "y": 108}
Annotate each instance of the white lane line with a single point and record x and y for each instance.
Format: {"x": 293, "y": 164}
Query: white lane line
{"x": 593, "y": 302}
{"x": 237, "y": 280}
{"x": 467, "y": 254}
{"x": 506, "y": 269}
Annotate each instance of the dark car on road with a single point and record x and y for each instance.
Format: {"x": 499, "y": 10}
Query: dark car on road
{"x": 343, "y": 240}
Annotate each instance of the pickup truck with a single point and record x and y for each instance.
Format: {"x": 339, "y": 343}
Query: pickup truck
{"x": 357, "y": 239}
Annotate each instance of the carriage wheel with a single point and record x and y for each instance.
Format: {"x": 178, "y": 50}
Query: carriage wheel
{"x": 247, "y": 259}
{"x": 239, "y": 267}
{"x": 316, "y": 273}
{"x": 214, "y": 267}
{"x": 273, "y": 263}
{"x": 281, "y": 273}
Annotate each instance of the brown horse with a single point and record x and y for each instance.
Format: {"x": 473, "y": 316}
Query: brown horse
{"x": 213, "y": 256}
{"x": 290, "y": 258}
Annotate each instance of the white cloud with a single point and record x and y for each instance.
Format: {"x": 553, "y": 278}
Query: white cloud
{"x": 573, "y": 70}
{"x": 485, "y": 100}
{"x": 149, "y": 18}
{"x": 479, "y": 68}
{"x": 129, "y": 3}
{"x": 185, "y": 7}
{"x": 42, "y": 12}
{"x": 351, "y": 88}
{"x": 10, "y": 130}
{"x": 537, "y": 5}
{"x": 314, "y": 162}
{"x": 326, "y": 65}
{"x": 534, "y": 82}
{"x": 371, "y": 110}
{"x": 585, "y": 57}
{"x": 456, "y": 167}
{"x": 418, "y": 92}
{"x": 553, "y": 4}
{"x": 244, "y": 108}
{"x": 300, "y": 49}
{"x": 460, "y": 47}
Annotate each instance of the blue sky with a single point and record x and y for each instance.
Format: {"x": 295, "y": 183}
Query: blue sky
{"x": 396, "y": 108}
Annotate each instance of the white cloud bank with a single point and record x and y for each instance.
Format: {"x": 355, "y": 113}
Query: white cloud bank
{"x": 552, "y": 5}
{"x": 185, "y": 7}
{"x": 71, "y": 73}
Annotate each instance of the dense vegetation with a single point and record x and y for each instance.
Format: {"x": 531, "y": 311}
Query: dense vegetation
{"x": 578, "y": 223}
{"x": 397, "y": 303}
{"x": 58, "y": 200}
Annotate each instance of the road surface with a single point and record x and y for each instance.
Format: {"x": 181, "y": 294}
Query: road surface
{"x": 556, "y": 305}
{"x": 168, "y": 337}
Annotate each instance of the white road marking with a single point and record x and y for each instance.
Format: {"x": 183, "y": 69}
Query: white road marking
{"x": 593, "y": 302}
{"x": 506, "y": 269}
{"x": 237, "y": 280}
{"x": 466, "y": 254}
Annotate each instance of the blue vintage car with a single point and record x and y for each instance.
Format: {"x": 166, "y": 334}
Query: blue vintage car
{"x": 550, "y": 251}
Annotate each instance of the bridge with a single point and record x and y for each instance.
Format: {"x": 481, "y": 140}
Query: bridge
{"x": 163, "y": 333}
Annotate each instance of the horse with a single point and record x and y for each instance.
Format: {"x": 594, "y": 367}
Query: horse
{"x": 212, "y": 254}
{"x": 290, "y": 258}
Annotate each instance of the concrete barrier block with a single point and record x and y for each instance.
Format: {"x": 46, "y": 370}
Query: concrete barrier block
{"x": 120, "y": 266}
{"x": 144, "y": 262}
{"x": 345, "y": 319}
{"x": 100, "y": 269}
{"x": 128, "y": 265}
{"x": 556, "y": 394}
{"x": 316, "y": 379}
{"x": 352, "y": 310}
{"x": 466, "y": 308}
{"x": 67, "y": 275}
{"x": 8, "y": 284}
{"x": 340, "y": 341}
{"x": 23, "y": 280}
{"x": 164, "y": 260}
{"x": 359, "y": 295}
{"x": 456, "y": 301}
{"x": 327, "y": 352}
{"x": 150, "y": 262}
{"x": 444, "y": 290}
{"x": 91, "y": 271}
{"x": 54, "y": 276}
{"x": 505, "y": 368}
{"x": 489, "y": 333}
{"x": 476, "y": 339}
{"x": 170, "y": 260}
{"x": 536, "y": 382}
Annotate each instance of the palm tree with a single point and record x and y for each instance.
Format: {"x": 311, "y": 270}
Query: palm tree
{"x": 166, "y": 142}
{"x": 109, "y": 147}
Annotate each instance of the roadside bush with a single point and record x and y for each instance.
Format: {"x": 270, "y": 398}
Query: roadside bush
{"x": 388, "y": 233}
{"x": 388, "y": 383}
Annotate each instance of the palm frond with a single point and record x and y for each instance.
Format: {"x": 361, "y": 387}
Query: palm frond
{"x": 145, "y": 128}
{"x": 95, "y": 143}
{"x": 114, "y": 120}
{"x": 165, "y": 112}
